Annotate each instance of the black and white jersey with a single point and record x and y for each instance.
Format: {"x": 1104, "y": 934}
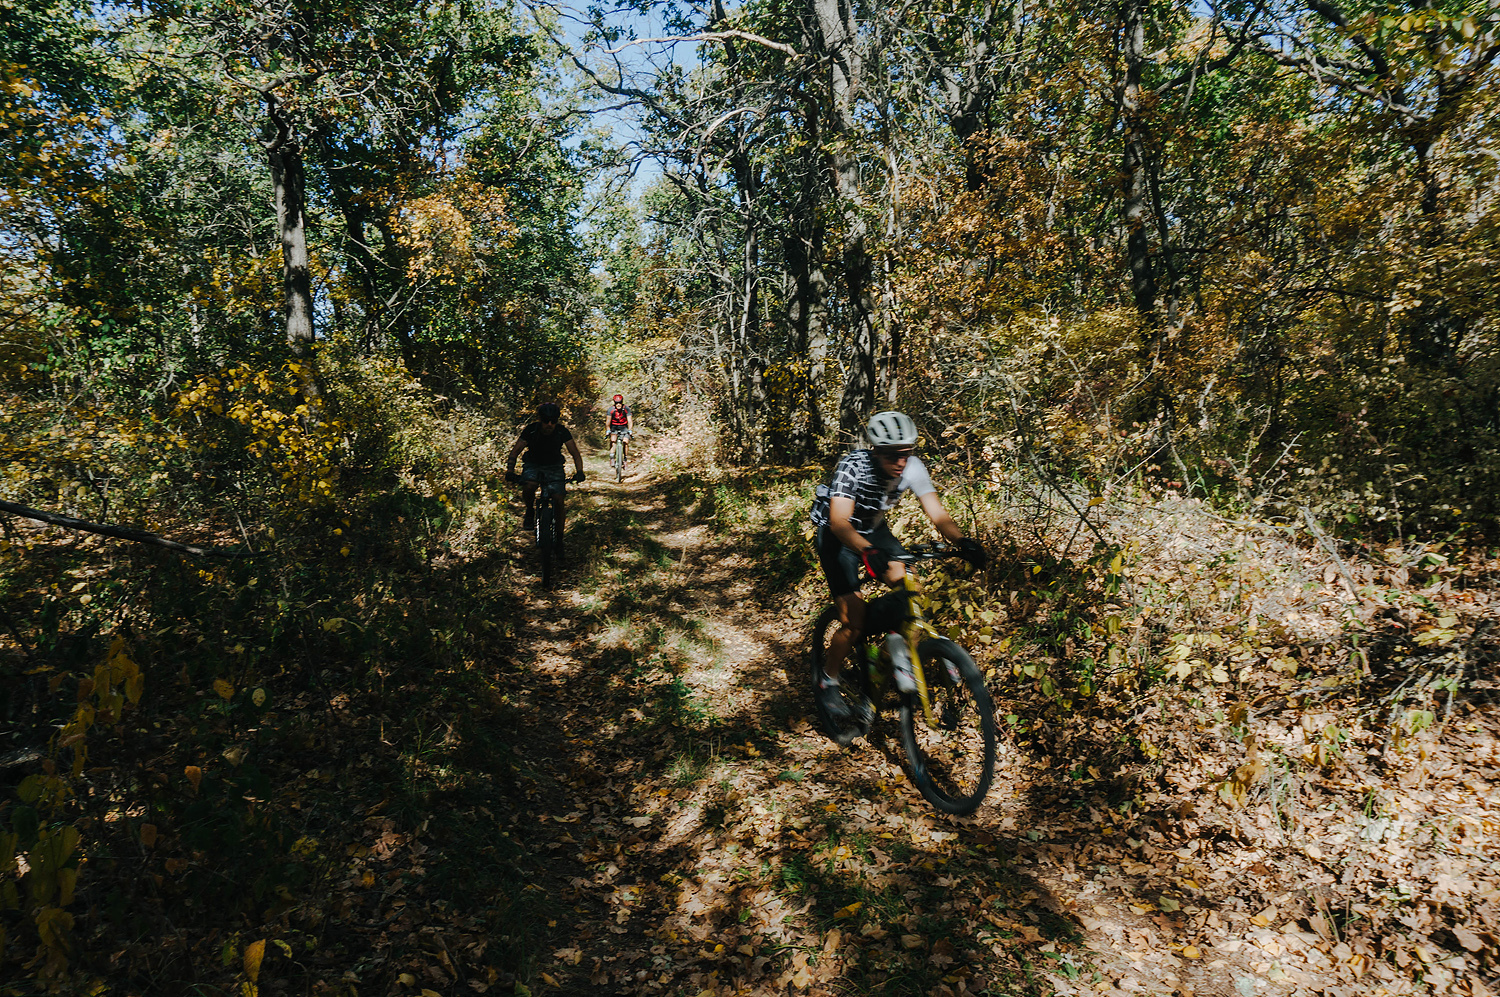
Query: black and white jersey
{"x": 873, "y": 495}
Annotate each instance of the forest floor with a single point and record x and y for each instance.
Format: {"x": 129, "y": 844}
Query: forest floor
{"x": 451, "y": 781}
{"x": 702, "y": 837}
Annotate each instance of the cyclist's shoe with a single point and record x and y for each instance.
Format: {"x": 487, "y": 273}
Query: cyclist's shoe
{"x": 529, "y": 522}
{"x": 906, "y": 679}
{"x": 832, "y": 701}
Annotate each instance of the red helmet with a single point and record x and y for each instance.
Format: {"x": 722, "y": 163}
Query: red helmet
{"x": 619, "y": 398}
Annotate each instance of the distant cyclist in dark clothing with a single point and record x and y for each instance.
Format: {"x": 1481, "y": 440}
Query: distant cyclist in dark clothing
{"x": 542, "y": 442}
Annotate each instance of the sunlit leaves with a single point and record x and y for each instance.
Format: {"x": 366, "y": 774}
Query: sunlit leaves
{"x": 274, "y": 424}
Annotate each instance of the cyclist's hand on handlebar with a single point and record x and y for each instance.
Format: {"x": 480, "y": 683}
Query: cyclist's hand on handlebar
{"x": 972, "y": 550}
{"x": 577, "y": 477}
{"x": 512, "y": 477}
{"x": 877, "y": 561}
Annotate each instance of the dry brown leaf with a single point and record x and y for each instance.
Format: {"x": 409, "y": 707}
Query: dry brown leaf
{"x": 1468, "y": 939}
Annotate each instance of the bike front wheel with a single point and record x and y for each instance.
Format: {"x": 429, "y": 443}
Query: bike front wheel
{"x": 546, "y": 537}
{"x": 619, "y": 461}
{"x": 952, "y": 762}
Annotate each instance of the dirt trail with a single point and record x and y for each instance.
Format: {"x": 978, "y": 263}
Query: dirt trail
{"x": 705, "y": 839}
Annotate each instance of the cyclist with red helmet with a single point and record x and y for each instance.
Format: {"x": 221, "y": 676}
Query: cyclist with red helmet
{"x": 618, "y": 423}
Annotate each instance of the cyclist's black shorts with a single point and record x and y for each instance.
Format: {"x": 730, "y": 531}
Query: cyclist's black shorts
{"x": 551, "y": 477}
{"x": 842, "y": 566}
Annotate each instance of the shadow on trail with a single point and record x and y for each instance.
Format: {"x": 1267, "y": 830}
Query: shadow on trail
{"x": 702, "y": 831}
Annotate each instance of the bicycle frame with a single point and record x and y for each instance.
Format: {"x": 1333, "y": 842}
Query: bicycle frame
{"x": 913, "y": 631}
{"x": 916, "y": 628}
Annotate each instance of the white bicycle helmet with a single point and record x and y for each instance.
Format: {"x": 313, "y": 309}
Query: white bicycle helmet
{"x": 891, "y": 429}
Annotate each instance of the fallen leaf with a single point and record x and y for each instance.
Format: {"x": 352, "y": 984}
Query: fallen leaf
{"x": 1468, "y": 939}
{"x": 224, "y": 689}
{"x": 254, "y": 953}
{"x": 912, "y": 941}
{"x": 194, "y": 775}
{"x": 1191, "y": 952}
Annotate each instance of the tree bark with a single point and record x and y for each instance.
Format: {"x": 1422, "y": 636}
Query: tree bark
{"x": 1134, "y": 174}
{"x": 289, "y": 181}
{"x": 835, "y": 20}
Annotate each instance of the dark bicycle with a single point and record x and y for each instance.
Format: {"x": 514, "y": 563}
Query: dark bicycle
{"x": 947, "y": 716}
{"x": 547, "y": 522}
{"x": 618, "y": 438}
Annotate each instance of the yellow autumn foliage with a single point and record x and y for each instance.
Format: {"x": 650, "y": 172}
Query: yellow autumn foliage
{"x": 445, "y": 233}
{"x": 290, "y": 434}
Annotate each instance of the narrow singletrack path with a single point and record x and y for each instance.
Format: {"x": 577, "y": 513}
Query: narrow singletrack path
{"x": 703, "y": 837}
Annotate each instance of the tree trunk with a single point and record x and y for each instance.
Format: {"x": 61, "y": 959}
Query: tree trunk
{"x": 846, "y": 68}
{"x": 1134, "y": 175}
{"x": 289, "y": 180}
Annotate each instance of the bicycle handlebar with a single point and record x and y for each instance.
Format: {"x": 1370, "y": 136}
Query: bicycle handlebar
{"x": 928, "y": 552}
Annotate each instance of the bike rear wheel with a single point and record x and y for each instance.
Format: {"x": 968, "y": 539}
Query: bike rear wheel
{"x": 954, "y": 762}
{"x": 619, "y": 460}
{"x": 853, "y": 685}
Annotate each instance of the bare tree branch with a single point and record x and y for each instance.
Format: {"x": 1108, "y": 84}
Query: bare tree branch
{"x": 106, "y": 530}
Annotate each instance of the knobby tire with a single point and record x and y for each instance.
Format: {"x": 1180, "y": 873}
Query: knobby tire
{"x": 545, "y": 539}
{"x": 953, "y": 765}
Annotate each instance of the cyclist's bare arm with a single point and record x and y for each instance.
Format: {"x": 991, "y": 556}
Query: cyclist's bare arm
{"x": 577, "y": 457}
{"x": 515, "y": 451}
{"x": 933, "y": 506}
{"x": 840, "y": 509}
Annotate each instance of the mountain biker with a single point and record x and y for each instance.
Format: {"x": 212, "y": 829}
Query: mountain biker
{"x": 850, "y": 514}
{"x": 618, "y": 423}
{"x": 543, "y": 441}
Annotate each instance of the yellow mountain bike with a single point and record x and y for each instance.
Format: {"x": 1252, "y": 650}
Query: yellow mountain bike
{"x": 947, "y": 716}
